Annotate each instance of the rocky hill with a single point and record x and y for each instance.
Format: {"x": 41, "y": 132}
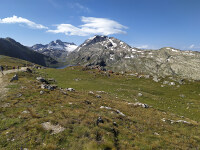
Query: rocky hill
{"x": 9, "y": 47}
{"x": 55, "y": 49}
{"x": 111, "y": 53}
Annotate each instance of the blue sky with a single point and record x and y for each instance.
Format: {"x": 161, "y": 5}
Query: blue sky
{"x": 140, "y": 23}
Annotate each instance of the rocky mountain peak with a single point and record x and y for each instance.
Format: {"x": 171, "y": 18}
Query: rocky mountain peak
{"x": 104, "y": 42}
{"x": 56, "y": 49}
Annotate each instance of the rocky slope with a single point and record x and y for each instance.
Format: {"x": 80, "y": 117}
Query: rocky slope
{"x": 55, "y": 49}
{"x": 10, "y": 47}
{"x": 111, "y": 53}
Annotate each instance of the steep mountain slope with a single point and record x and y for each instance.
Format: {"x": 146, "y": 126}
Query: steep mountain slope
{"x": 10, "y": 47}
{"x": 55, "y": 49}
{"x": 111, "y": 53}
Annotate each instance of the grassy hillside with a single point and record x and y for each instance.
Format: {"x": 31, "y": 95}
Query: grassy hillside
{"x": 183, "y": 100}
{"x": 13, "y": 62}
{"x": 10, "y": 47}
{"x": 75, "y": 114}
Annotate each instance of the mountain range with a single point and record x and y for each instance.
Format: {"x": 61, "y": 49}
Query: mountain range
{"x": 55, "y": 49}
{"x": 110, "y": 54}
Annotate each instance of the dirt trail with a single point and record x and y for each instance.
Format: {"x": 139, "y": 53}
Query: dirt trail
{"x": 3, "y": 84}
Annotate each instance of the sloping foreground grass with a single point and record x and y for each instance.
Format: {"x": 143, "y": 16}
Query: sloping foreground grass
{"x": 13, "y": 62}
{"x": 182, "y": 100}
{"x": 141, "y": 128}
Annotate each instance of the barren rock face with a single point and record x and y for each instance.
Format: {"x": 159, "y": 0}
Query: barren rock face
{"x": 116, "y": 55}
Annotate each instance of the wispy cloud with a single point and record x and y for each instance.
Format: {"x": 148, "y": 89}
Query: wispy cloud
{"x": 91, "y": 26}
{"x": 83, "y": 8}
{"x": 78, "y": 7}
{"x": 192, "y": 46}
{"x": 143, "y": 46}
{"x": 19, "y": 20}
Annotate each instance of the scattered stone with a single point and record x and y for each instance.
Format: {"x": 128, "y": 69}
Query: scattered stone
{"x": 162, "y": 85}
{"x": 100, "y": 91}
{"x": 70, "y": 103}
{"x": 139, "y": 104}
{"x": 98, "y": 96}
{"x": 115, "y": 124}
{"x": 25, "y": 112}
{"x": 139, "y": 94}
{"x": 54, "y": 128}
{"x": 50, "y": 112}
{"x": 51, "y": 80}
{"x": 15, "y": 77}
{"x": 19, "y": 95}
{"x": 99, "y": 120}
{"x": 155, "y": 78}
{"x": 109, "y": 108}
{"x": 155, "y": 133}
{"x": 105, "y": 107}
{"x": 49, "y": 87}
{"x": 173, "y": 121}
{"x": 5, "y": 105}
{"x": 172, "y": 83}
{"x": 165, "y": 82}
{"x": 77, "y": 79}
{"x": 29, "y": 70}
{"x": 181, "y": 81}
{"x": 70, "y": 89}
{"x": 146, "y": 76}
{"x": 119, "y": 112}
{"x": 87, "y": 102}
{"x": 65, "y": 93}
{"x": 182, "y": 95}
{"x": 40, "y": 79}
{"x": 91, "y": 93}
{"x": 41, "y": 92}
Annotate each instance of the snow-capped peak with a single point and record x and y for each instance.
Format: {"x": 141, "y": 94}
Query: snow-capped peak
{"x": 55, "y": 45}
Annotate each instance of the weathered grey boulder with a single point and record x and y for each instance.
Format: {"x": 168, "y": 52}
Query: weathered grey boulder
{"x": 139, "y": 104}
{"x": 15, "y": 77}
{"x": 49, "y": 87}
{"x": 29, "y": 70}
{"x": 40, "y": 79}
{"x": 70, "y": 89}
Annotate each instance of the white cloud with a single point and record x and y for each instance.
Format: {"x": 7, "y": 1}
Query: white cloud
{"x": 192, "y": 46}
{"x": 83, "y": 8}
{"x": 20, "y": 20}
{"x": 143, "y": 46}
{"x": 91, "y": 26}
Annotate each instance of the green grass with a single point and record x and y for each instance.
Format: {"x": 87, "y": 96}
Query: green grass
{"x": 139, "y": 129}
{"x": 127, "y": 87}
{"x": 13, "y": 62}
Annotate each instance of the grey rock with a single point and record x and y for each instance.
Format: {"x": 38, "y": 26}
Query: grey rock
{"x": 15, "y": 77}
{"x": 41, "y": 92}
{"x": 139, "y": 104}
{"x": 98, "y": 96}
{"x": 70, "y": 89}
{"x": 43, "y": 80}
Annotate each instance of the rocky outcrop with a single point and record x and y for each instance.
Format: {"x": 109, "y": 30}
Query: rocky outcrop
{"x": 113, "y": 54}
